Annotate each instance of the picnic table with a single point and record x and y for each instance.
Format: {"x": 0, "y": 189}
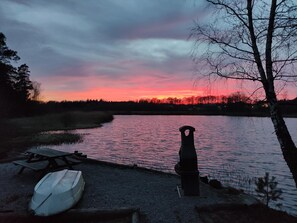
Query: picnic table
{"x": 45, "y": 159}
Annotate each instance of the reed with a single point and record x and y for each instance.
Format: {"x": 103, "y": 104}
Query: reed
{"x": 18, "y": 134}
{"x": 61, "y": 121}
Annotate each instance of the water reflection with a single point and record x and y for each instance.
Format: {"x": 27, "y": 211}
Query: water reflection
{"x": 232, "y": 149}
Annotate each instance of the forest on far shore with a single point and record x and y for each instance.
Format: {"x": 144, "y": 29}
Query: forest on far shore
{"x": 233, "y": 106}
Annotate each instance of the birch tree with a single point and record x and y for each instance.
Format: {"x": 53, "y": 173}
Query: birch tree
{"x": 253, "y": 40}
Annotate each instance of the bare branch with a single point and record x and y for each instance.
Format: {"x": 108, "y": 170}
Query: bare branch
{"x": 229, "y": 9}
{"x": 253, "y": 35}
{"x": 269, "y": 41}
{"x": 254, "y": 42}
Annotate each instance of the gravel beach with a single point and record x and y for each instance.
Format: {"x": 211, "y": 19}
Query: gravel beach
{"x": 112, "y": 187}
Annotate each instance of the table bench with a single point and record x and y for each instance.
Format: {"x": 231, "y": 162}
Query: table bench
{"x": 45, "y": 159}
{"x": 36, "y": 166}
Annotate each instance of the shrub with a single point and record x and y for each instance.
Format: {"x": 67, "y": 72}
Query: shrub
{"x": 267, "y": 190}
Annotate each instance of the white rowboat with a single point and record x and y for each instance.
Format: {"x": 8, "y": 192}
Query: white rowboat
{"x": 57, "y": 192}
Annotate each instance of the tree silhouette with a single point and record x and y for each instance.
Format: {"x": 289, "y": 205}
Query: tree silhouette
{"x": 253, "y": 40}
{"x": 22, "y": 84}
{"x": 35, "y": 93}
{"x": 267, "y": 190}
{"x": 15, "y": 84}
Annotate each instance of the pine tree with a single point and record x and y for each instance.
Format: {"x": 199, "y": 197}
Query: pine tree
{"x": 267, "y": 189}
{"x": 15, "y": 84}
{"x": 22, "y": 84}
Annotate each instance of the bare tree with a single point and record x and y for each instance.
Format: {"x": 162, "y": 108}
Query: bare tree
{"x": 253, "y": 40}
{"x": 36, "y": 91}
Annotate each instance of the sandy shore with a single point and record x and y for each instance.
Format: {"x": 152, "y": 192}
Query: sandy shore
{"x": 110, "y": 187}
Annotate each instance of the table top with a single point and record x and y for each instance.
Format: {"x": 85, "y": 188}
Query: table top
{"x": 50, "y": 153}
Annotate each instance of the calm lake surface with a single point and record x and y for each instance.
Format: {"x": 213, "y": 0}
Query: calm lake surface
{"x": 234, "y": 150}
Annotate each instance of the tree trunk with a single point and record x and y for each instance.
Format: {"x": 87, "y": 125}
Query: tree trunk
{"x": 287, "y": 145}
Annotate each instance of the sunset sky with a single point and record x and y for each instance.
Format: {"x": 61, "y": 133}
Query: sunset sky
{"x": 108, "y": 49}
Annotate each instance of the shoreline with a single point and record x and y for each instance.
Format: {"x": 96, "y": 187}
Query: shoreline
{"x": 194, "y": 113}
{"x": 111, "y": 187}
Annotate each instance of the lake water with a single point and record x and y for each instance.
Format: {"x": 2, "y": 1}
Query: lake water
{"x": 234, "y": 150}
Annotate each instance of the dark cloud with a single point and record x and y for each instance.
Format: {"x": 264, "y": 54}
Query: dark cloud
{"x": 112, "y": 39}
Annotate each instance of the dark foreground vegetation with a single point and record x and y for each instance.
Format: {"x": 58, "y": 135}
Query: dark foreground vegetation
{"x": 249, "y": 214}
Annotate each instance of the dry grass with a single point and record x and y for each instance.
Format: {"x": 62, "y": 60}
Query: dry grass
{"x": 56, "y": 138}
{"x": 18, "y": 134}
{"x": 61, "y": 121}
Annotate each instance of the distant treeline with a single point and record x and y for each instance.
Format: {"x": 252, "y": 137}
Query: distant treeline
{"x": 260, "y": 108}
{"x": 209, "y": 99}
{"x": 231, "y": 106}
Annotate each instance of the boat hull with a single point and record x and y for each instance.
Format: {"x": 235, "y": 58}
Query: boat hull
{"x": 57, "y": 192}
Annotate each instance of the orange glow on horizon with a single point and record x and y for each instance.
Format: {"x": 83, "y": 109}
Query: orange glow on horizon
{"x": 118, "y": 94}
{"x": 126, "y": 95}
{"x": 133, "y": 89}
